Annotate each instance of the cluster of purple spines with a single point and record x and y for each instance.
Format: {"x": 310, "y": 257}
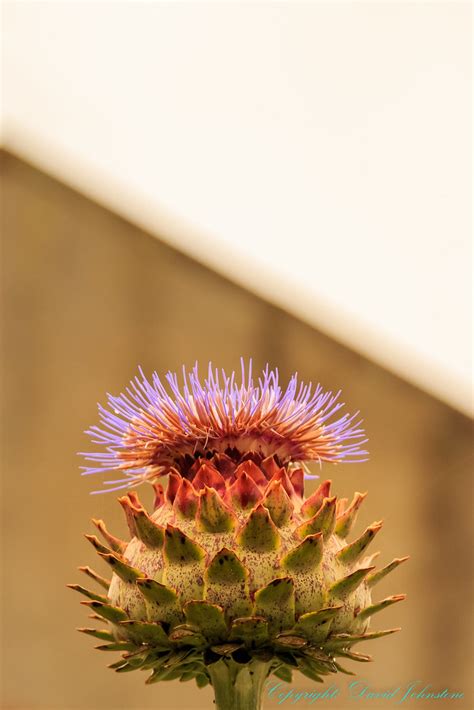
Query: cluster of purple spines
{"x": 147, "y": 429}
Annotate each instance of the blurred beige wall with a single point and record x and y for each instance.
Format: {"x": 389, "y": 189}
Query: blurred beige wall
{"x": 86, "y": 298}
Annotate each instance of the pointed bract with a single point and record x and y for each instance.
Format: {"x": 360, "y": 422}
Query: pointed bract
{"x": 352, "y": 552}
{"x": 162, "y": 602}
{"x": 349, "y": 584}
{"x": 107, "y": 611}
{"x": 208, "y": 618}
{"x": 114, "y": 543}
{"x": 226, "y": 568}
{"x": 116, "y": 646}
{"x": 347, "y": 518}
{"x": 151, "y": 534}
{"x": 276, "y": 603}
{"x": 270, "y": 466}
{"x": 370, "y": 559}
{"x": 306, "y": 556}
{"x": 323, "y": 521}
{"x": 310, "y": 624}
{"x": 184, "y": 636}
{"x": 213, "y": 515}
{"x": 101, "y": 634}
{"x": 179, "y": 548}
{"x": 281, "y": 476}
{"x": 278, "y": 503}
{"x": 374, "y": 608}
{"x": 375, "y": 577}
{"x": 157, "y": 592}
{"x": 226, "y": 582}
{"x": 372, "y": 635}
{"x": 128, "y": 507}
{"x": 361, "y": 657}
{"x": 159, "y": 497}
{"x": 312, "y": 504}
{"x": 253, "y": 471}
{"x": 209, "y": 476}
{"x": 186, "y": 500}
{"x": 224, "y": 465}
{"x": 244, "y": 492}
{"x": 85, "y": 592}
{"x": 340, "y": 506}
{"x": 297, "y": 481}
{"x": 125, "y": 571}
{"x": 144, "y": 632}
{"x": 140, "y": 522}
{"x": 174, "y": 480}
{"x": 98, "y": 546}
{"x": 259, "y": 532}
{"x": 105, "y": 583}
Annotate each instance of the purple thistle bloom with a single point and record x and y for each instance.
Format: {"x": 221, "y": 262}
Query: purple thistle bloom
{"x": 149, "y": 429}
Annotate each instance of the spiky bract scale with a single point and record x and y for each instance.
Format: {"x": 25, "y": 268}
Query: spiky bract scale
{"x": 235, "y": 566}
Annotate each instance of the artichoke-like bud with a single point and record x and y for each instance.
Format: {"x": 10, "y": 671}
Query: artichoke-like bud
{"x": 235, "y": 574}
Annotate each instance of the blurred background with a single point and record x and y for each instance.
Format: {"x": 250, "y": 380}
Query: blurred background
{"x": 203, "y": 181}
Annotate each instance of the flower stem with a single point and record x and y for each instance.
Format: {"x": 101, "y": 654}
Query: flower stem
{"x": 238, "y": 687}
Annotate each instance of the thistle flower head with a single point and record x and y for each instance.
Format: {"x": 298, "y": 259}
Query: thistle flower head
{"x": 150, "y": 429}
{"x": 234, "y": 574}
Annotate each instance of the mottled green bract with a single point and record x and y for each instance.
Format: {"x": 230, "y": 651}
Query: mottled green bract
{"x": 234, "y": 576}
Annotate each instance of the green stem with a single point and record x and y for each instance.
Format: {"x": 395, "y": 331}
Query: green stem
{"x": 238, "y": 687}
